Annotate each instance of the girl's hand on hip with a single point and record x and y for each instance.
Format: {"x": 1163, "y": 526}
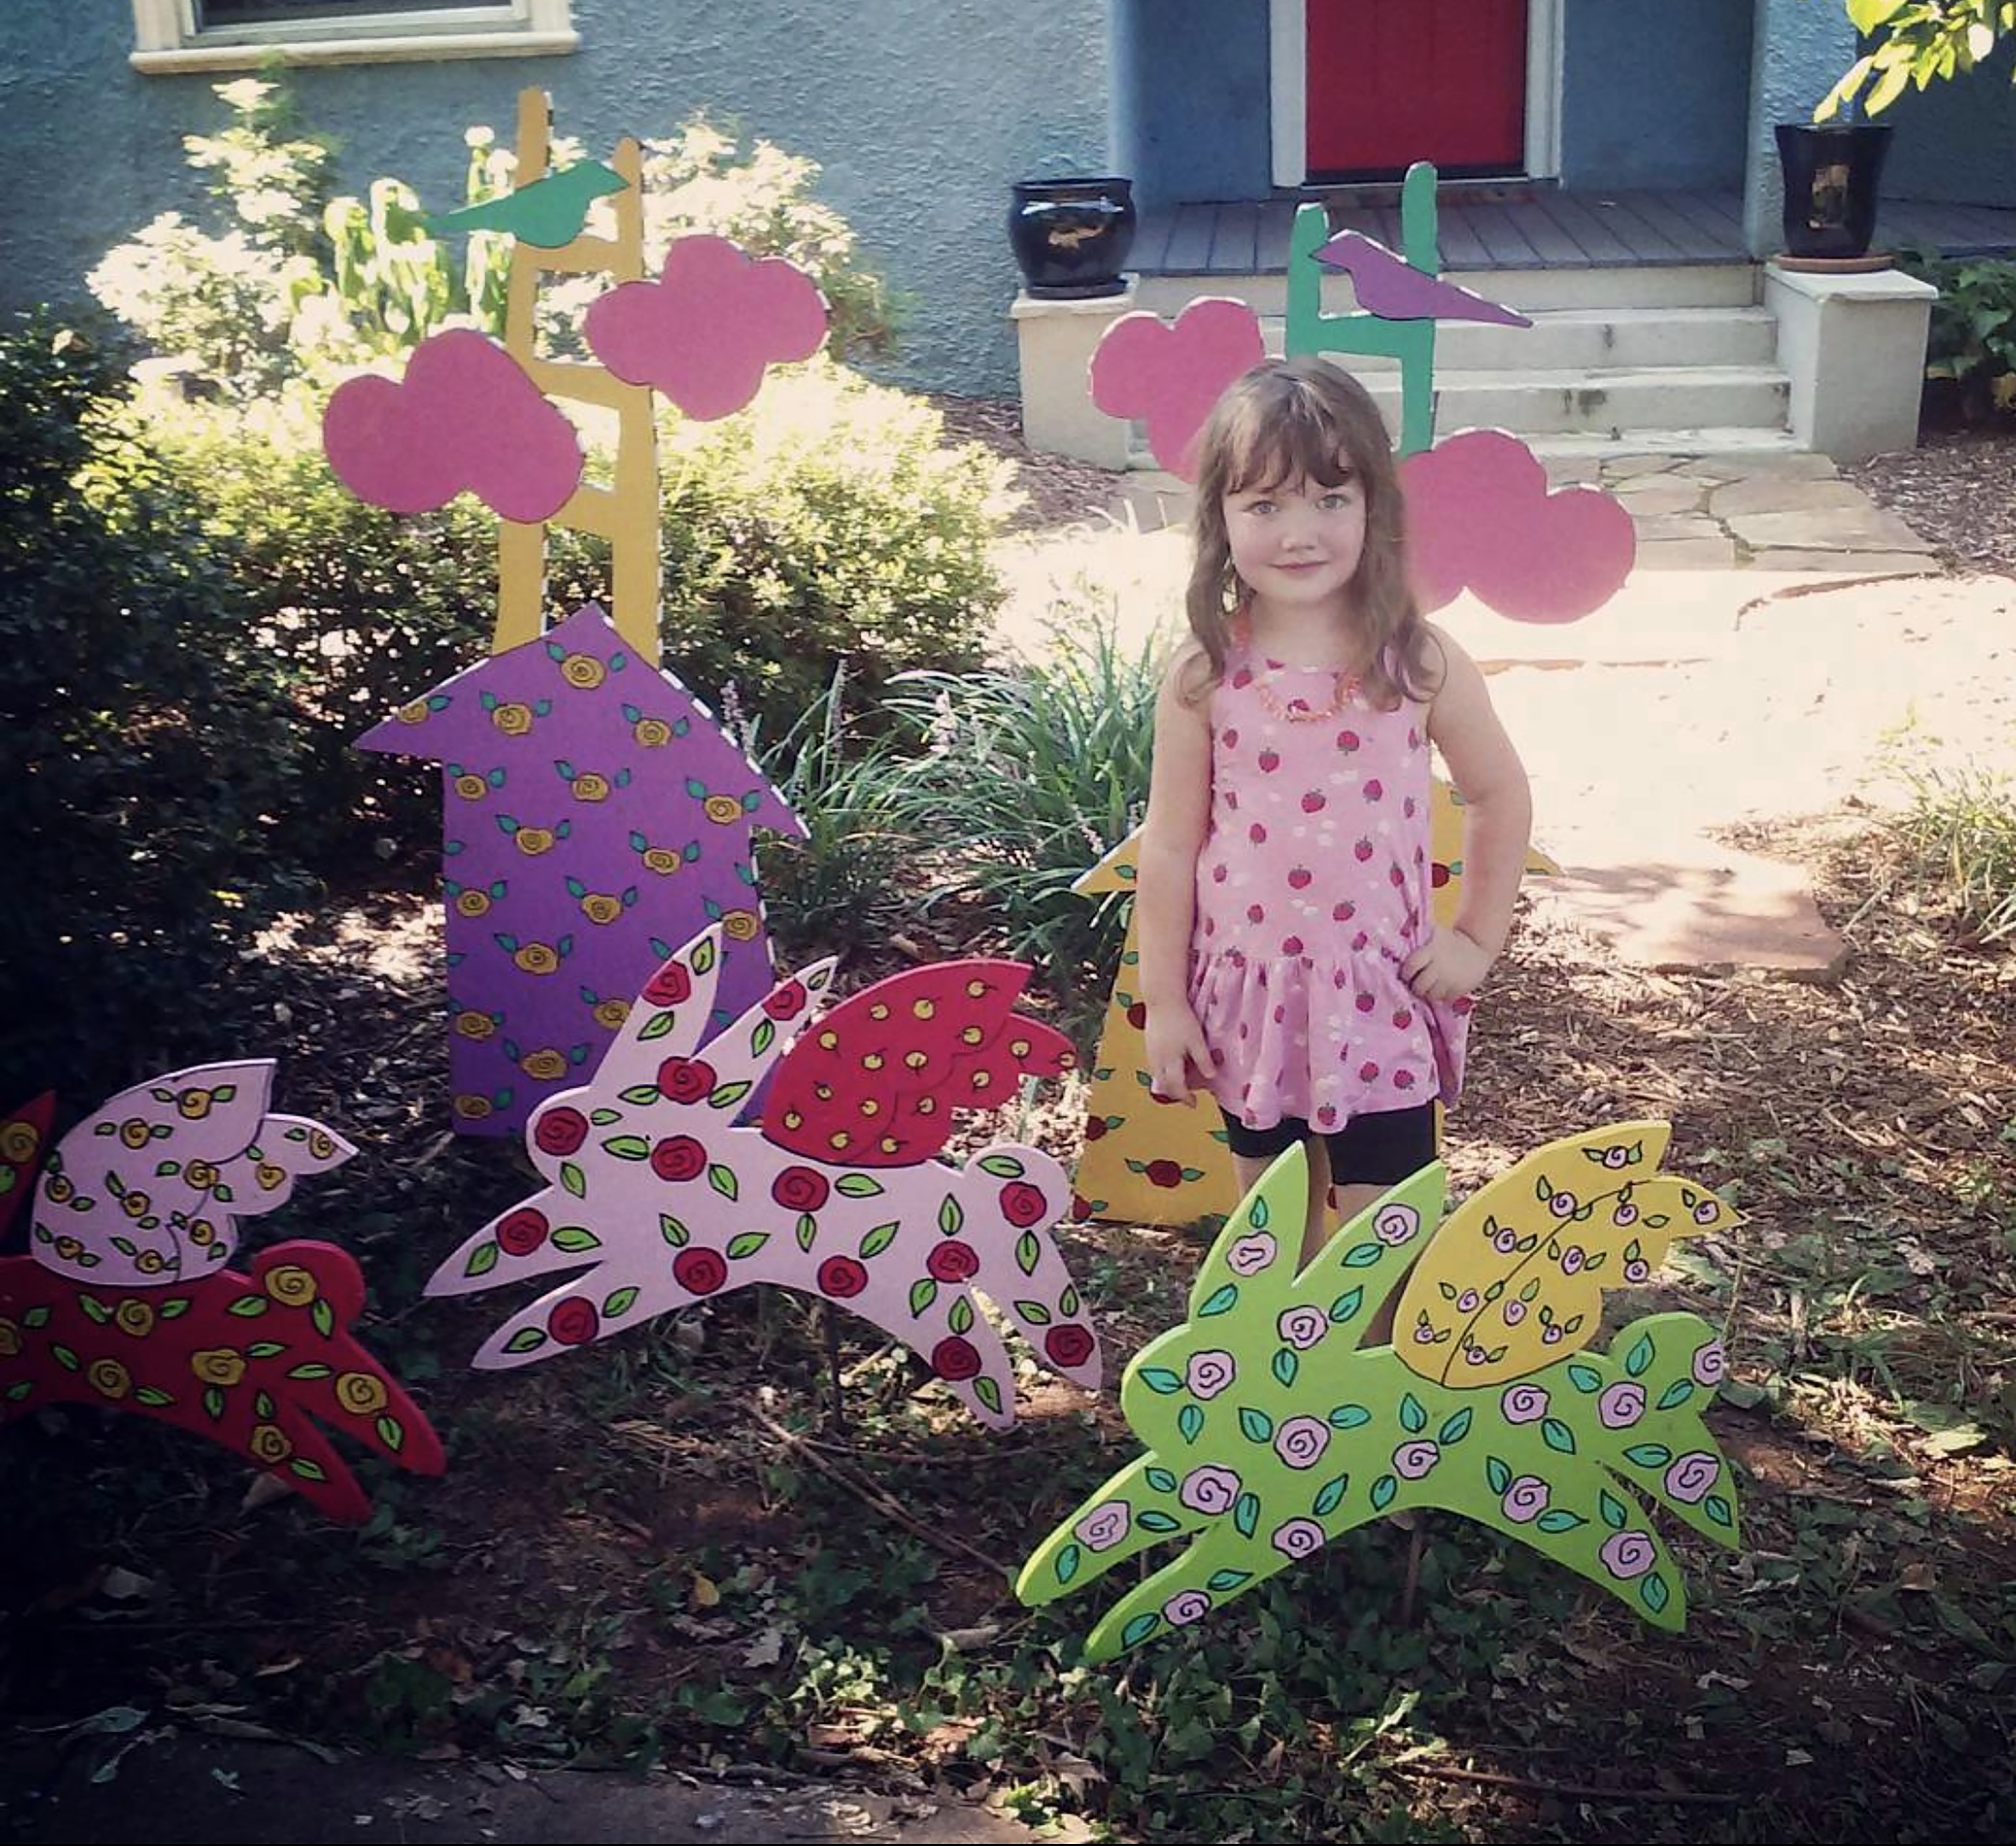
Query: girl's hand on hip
{"x": 1178, "y": 1059}
{"x": 1446, "y": 967}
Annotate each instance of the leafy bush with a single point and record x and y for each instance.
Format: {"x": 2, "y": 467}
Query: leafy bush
{"x": 144, "y": 743}
{"x": 826, "y": 522}
{"x": 1034, "y": 774}
{"x": 702, "y": 178}
{"x": 1972, "y": 339}
{"x": 360, "y": 608}
{"x": 301, "y": 284}
{"x": 230, "y": 301}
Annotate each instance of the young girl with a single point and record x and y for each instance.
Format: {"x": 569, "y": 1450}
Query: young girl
{"x": 1288, "y": 962}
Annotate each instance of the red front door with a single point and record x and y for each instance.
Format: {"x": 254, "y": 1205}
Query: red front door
{"x": 1394, "y": 81}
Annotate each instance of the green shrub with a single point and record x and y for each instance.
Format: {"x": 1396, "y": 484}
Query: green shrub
{"x": 1972, "y": 338}
{"x": 144, "y": 741}
{"x": 1033, "y": 774}
{"x": 827, "y": 522}
{"x": 228, "y": 301}
{"x": 702, "y": 178}
{"x": 360, "y": 608}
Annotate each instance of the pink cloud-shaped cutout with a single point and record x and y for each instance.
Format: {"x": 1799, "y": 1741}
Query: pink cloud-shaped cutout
{"x": 465, "y": 416}
{"x": 703, "y": 333}
{"x": 1171, "y": 376}
{"x": 1480, "y": 518}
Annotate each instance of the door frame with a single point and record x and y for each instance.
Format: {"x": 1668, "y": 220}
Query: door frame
{"x": 1288, "y": 82}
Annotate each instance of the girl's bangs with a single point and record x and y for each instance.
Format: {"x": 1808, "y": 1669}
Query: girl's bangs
{"x": 1300, "y": 444}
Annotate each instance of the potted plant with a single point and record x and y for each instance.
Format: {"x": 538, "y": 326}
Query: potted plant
{"x": 1831, "y": 172}
{"x": 1072, "y": 237}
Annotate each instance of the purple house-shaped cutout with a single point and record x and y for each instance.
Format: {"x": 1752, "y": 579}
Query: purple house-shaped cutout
{"x": 594, "y": 817}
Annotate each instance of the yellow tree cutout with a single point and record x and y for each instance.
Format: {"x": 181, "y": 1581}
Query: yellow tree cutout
{"x": 1147, "y": 1162}
{"x": 1269, "y": 1430}
{"x": 625, "y": 512}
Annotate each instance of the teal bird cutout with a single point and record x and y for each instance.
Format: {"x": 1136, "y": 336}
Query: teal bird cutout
{"x": 549, "y": 212}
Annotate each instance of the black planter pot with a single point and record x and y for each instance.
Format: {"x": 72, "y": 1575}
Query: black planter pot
{"x": 1831, "y": 174}
{"x": 1072, "y": 237}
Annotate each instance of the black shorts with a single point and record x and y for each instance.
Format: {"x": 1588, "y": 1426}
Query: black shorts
{"x": 1378, "y": 1149}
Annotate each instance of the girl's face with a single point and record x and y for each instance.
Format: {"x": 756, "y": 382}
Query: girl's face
{"x": 1297, "y": 544}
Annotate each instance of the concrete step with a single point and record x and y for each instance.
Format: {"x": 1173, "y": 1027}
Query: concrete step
{"x": 1680, "y": 285}
{"x": 1571, "y": 447}
{"x": 1586, "y": 339}
{"x": 1735, "y": 443}
{"x": 1600, "y": 401}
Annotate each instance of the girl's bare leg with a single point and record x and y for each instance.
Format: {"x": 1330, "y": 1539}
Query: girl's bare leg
{"x": 1351, "y": 1201}
{"x": 1317, "y": 1222}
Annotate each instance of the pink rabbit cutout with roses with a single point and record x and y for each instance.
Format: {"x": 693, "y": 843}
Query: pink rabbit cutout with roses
{"x": 664, "y": 1198}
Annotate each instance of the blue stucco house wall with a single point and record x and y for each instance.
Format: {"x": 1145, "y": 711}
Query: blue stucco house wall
{"x": 1957, "y": 141}
{"x": 921, "y": 113}
{"x": 1652, "y": 99}
{"x": 1190, "y": 99}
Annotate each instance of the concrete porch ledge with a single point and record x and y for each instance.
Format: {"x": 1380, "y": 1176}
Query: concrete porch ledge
{"x": 1855, "y": 348}
{"x": 1055, "y": 341}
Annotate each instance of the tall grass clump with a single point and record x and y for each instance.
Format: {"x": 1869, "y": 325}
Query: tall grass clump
{"x": 1960, "y": 831}
{"x": 1031, "y": 774}
{"x": 837, "y": 888}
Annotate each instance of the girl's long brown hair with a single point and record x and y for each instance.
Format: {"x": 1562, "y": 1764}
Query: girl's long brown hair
{"x": 1304, "y": 420}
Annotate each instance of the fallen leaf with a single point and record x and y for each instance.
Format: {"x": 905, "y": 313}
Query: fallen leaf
{"x": 264, "y": 1490}
{"x": 766, "y": 1649}
{"x": 122, "y": 1584}
{"x": 704, "y": 1594}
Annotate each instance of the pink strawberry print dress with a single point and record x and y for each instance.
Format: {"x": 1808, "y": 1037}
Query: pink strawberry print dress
{"x": 1312, "y": 889}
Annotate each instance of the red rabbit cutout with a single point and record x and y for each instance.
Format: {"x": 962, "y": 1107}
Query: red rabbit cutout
{"x": 24, "y": 1137}
{"x": 253, "y": 1361}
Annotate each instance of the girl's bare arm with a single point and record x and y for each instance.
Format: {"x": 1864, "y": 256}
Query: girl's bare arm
{"x": 1165, "y": 900}
{"x": 1498, "y": 822}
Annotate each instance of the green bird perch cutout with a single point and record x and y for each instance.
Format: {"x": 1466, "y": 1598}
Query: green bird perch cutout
{"x": 1270, "y": 1430}
{"x": 548, "y": 213}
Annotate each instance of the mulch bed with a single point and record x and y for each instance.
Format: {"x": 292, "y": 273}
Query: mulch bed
{"x": 1957, "y": 488}
{"x": 1057, "y": 491}
{"x": 623, "y": 1534}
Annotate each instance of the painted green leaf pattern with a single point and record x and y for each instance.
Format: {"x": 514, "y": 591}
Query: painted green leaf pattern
{"x": 1269, "y": 1433}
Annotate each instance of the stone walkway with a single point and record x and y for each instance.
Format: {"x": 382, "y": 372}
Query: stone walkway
{"x": 1776, "y": 512}
{"x": 1777, "y": 625}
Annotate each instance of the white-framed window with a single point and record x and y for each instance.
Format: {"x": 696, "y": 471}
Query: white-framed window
{"x": 240, "y": 35}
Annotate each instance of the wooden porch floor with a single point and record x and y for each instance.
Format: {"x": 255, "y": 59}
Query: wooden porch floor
{"x": 1540, "y": 228}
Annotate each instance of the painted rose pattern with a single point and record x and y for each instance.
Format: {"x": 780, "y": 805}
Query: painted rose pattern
{"x": 1269, "y": 1430}
{"x": 126, "y": 1300}
{"x": 660, "y": 1193}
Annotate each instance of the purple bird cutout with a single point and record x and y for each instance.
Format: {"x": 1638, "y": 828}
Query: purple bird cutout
{"x": 1393, "y": 288}
{"x": 595, "y": 817}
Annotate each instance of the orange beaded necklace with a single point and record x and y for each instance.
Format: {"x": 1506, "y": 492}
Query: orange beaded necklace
{"x": 1343, "y": 684}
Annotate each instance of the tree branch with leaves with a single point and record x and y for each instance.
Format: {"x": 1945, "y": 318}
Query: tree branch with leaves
{"x": 1923, "y": 42}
